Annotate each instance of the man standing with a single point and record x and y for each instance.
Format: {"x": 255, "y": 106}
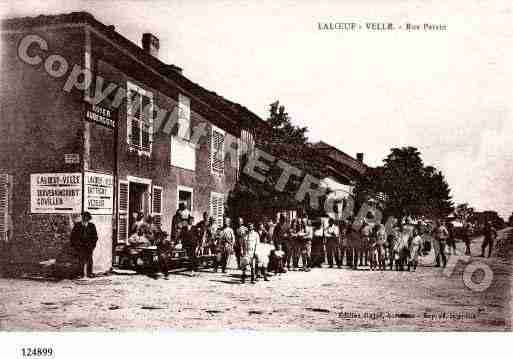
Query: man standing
{"x": 332, "y": 243}
{"x": 190, "y": 241}
{"x": 441, "y": 236}
{"x": 211, "y": 236}
{"x": 282, "y": 236}
{"x": 202, "y": 232}
{"x": 226, "y": 242}
{"x": 489, "y": 236}
{"x": 242, "y": 232}
{"x": 83, "y": 240}
{"x": 306, "y": 247}
{"x": 343, "y": 243}
{"x": 249, "y": 244}
{"x": 180, "y": 220}
{"x": 467, "y": 234}
{"x": 365, "y": 233}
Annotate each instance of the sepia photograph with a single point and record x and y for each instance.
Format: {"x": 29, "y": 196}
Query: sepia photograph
{"x": 292, "y": 166}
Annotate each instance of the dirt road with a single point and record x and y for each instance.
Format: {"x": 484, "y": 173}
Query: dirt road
{"x": 324, "y": 299}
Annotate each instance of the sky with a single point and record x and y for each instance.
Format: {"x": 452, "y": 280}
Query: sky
{"x": 448, "y": 93}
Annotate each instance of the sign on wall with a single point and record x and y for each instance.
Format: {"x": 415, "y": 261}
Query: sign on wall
{"x": 56, "y": 192}
{"x": 71, "y": 158}
{"x": 98, "y": 193}
{"x": 100, "y": 115}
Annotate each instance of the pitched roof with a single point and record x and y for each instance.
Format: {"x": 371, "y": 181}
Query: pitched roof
{"x": 340, "y": 157}
{"x": 235, "y": 114}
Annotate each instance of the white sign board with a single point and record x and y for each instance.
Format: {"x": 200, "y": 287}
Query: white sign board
{"x": 183, "y": 154}
{"x": 98, "y": 193}
{"x": 56, "y": 193}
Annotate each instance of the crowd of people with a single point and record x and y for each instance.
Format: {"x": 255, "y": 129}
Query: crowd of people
{"x": 258, "y": 248}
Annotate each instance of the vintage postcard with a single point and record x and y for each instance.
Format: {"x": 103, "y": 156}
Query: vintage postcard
{"x": 307, "y": 166}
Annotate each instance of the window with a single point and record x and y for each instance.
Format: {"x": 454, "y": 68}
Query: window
{"x": 157, "y": 205}
{"x": 184, "y": 117}
{"x": 217, "y": 151}
{"x": 217, "y": 207}
{"x": 139, "y": 119}
{"x": 185, "y": 196}
{"x": 5, "y": 206}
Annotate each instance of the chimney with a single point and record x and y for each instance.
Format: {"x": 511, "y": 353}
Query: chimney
{"x": 359, "y": 157}
{"x": 150, "y": 44}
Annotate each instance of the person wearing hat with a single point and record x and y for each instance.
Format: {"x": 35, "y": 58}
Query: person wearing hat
{"x": 83, "y": 240}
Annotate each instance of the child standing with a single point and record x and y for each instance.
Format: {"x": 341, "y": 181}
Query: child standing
{"x": 279, "y": 254}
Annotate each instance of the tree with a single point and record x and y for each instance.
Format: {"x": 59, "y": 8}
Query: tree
{"x": 436, "y": 195}
{"x": 283, "y": 130}
{"x": 411, "y": 189}
{"x": 463, "y": 212}
{"x": 402, "y": 181}
{"x": 289, "y": 144}
{"x": 488, "y": 216}
{"x": 510, "y": 220}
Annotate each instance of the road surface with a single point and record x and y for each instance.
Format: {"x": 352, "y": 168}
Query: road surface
{"x": 323, "y": 299}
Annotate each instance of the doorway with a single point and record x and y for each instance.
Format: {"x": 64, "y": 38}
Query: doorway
{"x": 139, "y": 200}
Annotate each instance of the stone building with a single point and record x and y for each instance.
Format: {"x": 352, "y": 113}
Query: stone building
{"x": 92, "y": 122}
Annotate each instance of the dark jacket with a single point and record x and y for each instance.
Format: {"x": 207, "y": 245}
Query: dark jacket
{"x": 84, "y": 238}
{"x": 189, "y": 236}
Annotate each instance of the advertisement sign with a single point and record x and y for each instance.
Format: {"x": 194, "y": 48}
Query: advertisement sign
{"x": 98, "y": 193}
{"x": 100, "y": 115}
{"x": 56, "y": 192}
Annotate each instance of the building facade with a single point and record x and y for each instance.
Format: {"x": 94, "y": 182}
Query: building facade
{"x": 93, "y": 122}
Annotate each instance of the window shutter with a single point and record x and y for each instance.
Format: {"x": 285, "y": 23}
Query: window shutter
{"x": 157, "y": 205}
{"x": 135, "y": 130}
{"x": 147, "y": 121}
{"x": 4, "y": 205}
{"x": 130, "y": 112}
{"x": 217, "y": 152}
{"x": 184, "y": 117}
{"x": 220, "y": 209}
{"x": 145, "y": 137}
{"x": 217, "y": 207}
{"x": 123, "y": 212}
